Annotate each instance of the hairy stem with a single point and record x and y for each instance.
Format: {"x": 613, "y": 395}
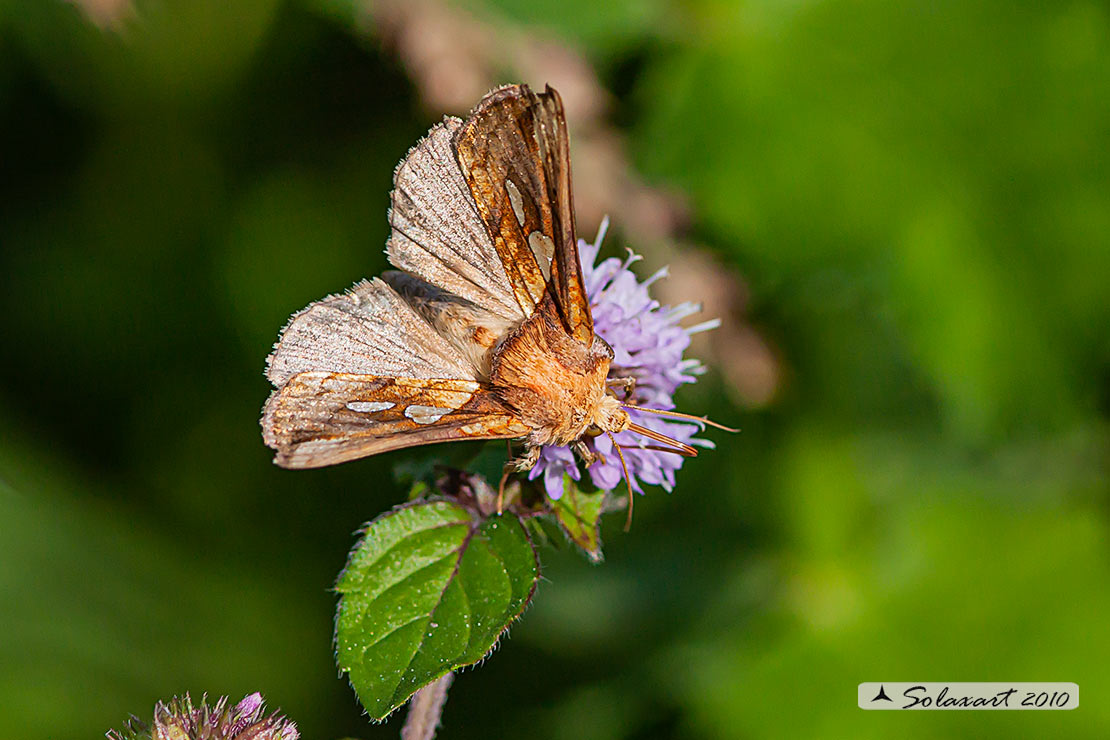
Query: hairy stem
{"x": 425, "y": 709}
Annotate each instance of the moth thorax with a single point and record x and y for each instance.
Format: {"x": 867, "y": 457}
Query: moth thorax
{"x": 610, "y": 416}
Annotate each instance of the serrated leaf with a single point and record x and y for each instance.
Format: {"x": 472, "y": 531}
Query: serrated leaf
{"x": 544, "y": 532}
{"x": 579, "y": 514}
{"x": 430, "y": 588}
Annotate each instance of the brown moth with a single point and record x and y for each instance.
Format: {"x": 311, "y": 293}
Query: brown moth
{"x": 483, "y": 332}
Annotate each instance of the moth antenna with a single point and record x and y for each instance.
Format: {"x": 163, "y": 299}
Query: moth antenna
{"x": 627, "y": 479}
{"x": 680, "y": 415}
{"x": 680, "y": 447}
{"x": 653, "y": 448}
{"x": 602, "y": 229}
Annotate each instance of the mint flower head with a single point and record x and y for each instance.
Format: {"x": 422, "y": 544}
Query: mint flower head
{"x": 179, "y": 719}
{"x": 648, "y": 344}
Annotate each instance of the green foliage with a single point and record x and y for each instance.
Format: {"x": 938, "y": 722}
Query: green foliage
{"x": 429, "y": 588}
{"x": 579, "y": 515}
{"x": 923, "y": 203}
{"x": 917, "y": 196}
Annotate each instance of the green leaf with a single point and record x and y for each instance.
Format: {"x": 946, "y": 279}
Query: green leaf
{"x": 429, "y": 588}
{"x": 579, "y": 514}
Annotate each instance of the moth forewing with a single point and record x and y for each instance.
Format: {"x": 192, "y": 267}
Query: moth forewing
{"x": 321, "y": 418}
{"x": 498, "y": 153}
{"x": 566, "y": 270}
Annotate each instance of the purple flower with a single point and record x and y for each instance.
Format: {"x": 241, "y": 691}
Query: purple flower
{"x": 181, "y": 720}
{"x": 647, "y": 344}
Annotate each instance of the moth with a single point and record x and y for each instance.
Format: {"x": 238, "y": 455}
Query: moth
{"x": 483, "y": 331}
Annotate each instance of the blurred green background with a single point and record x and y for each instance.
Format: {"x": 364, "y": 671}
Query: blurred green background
{"x": 917, "y": 196}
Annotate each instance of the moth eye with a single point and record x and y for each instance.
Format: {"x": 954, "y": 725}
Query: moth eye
{"x": 593, "y": 430}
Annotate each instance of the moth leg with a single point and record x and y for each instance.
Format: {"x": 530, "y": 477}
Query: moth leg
{"x": 627, "y": 384}
{"x": 527, "y": 461}
{"x": 589, "y": 457}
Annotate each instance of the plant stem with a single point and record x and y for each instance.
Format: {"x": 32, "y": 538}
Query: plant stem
{"x": 425, "y": 709}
